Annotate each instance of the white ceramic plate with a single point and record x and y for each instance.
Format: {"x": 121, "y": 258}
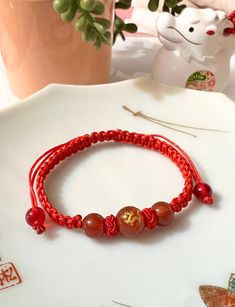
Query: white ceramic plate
{"x": 162, "y": 268}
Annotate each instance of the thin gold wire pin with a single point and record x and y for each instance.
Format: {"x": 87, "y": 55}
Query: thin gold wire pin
{"x": 169, "y": 124}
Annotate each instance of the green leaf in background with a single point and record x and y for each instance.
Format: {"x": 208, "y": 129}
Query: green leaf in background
{"x": 165, "y": 8}
{"x": 86, "y": 33}
{"x": 107, "y": 37}
{"x": 153, "y": 5}
{"x": 178, "y": 9}
{"x": 100, "y": 28}
{"x": 87, "y": 5}
{"x": 130, "y": 27}
{"x": 123, "y": 4}
{"x": 92, "y": 35}
{"x": 118, "y": 23}
{"x": 70, "y": 13}
{"x": 61, "y": 6}
{"x": 99, "y": 8}
{"x": 104, "y": 22}
{"x": 171, "y": 3}
{"x": 81, "y": 23}
{"x": 97, "y": 44}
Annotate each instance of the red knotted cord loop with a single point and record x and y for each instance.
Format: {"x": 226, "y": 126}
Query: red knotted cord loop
{"x": 110, "y": 226}
{"x": 150, "y": 218}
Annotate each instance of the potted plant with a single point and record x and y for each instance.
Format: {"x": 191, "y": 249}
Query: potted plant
{"x": 98, "y": 30}
{"x": 62, "y": 41}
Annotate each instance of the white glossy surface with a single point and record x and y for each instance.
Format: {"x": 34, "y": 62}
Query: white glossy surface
{"x": 162, "y": 268}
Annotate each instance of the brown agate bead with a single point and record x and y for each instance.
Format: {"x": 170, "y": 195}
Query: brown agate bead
{"x": 130, "y": 221}
{"x": 93, "y": 225}
{"x": 164, "y": 213}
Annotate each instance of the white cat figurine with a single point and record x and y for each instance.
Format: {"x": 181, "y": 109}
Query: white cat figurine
{"x": 197, "y": 48}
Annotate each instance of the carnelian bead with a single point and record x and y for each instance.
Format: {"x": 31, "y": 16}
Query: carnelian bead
{"x": 164, "y": 213}
{"x": 93, "y": 225}
{"x": 204, "y": 193}
{"x": 35, "y": 214}
{"x": 130, "y": 221}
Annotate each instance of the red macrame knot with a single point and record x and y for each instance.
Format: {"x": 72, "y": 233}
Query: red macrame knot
{"x": 77, "y": 221}
{"x": 39, "y": 228}
{"x": 176, "y": 207}
{"x": 150, "y": 218}
{"x": 110, "y": 226}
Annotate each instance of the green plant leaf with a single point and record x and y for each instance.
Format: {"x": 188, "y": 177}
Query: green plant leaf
{"x": 130, "y": 27}
{"x": 86, "y": 33}
{"x": 122, "y": 36}
{"x": 61, "y": 6}
{"x": 153, "y": 5}
{"x": 170, "y": 3}
{"x": 87, "y": 5}
{"x": 81, "y": 23}
{"x": 118, "y": 23}
{"x": 106, "y": 38}
{"x": 165, "y": 8}
{"x": 104, "y": 22}
{"x": 97, "y": 44}
{"x": 100, "y": 28}
{"x": 178, "y": 9}
{"x": 70, "y": 13}
{"x": 92, "y": 35}
{"x": 99, "y": 8}
{"x": 123, "y": 4}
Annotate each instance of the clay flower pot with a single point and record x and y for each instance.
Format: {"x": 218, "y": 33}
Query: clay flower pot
{"x": 38, "y": 48}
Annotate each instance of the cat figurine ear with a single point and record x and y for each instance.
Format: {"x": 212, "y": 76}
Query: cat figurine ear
{"x": 198, "y": 42}
{"x": 219, "y": 297}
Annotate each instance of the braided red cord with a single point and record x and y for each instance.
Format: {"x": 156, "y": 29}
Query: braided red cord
{"x": 44, "y": 165}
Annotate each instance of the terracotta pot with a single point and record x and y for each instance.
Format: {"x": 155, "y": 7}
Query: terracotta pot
{"x": 38, "y": 48}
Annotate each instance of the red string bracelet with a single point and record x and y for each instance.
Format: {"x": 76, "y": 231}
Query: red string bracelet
{"x": 129, "y": 221}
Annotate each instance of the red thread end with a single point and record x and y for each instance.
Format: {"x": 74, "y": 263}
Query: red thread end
{"x": 39, "y": 228}
{"x": 208, "y": 200}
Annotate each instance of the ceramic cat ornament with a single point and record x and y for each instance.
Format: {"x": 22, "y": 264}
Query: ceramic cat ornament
{"x": 197, "y": 48}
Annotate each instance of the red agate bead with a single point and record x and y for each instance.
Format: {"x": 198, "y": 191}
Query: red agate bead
{"x": 35, "y": 215}
{"x": 93, "y": 225}
{"x": 204, "y": 193}
{"x": 164, "y": 213}
{"x": 130, "y": 221}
